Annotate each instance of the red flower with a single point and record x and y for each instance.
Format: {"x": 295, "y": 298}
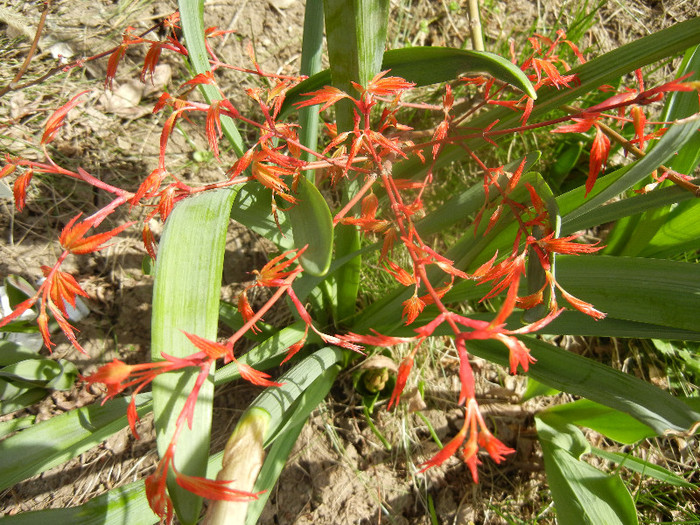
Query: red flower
{"x": 273, "y": 273}
{"x": 599, "y": 157}
{"x": 55, "y": 121}
{"x": 213, "y": 127}
{"x": 475, "y": 426}
{"x": 382, "y": 86}
{"x": 19, "y": 189}
{"x": 151, "y": 60}
{"x": 156, "y": 485}
{"x": 328, "y": 95}
{"x": 412, "y": 308}
{"x": 493, "y": 446}
{"x": 63, "y": 288}
{"x": 149, "y": 241}
{"x": 519, "y": 354}
{"x": 563, "y": 244}
{"x": 269, "y": 175}
{"x": 212, "y": 349}
{"x": 73, "y": 238}
{"x": 401, "y": 378}
{"x": 292, "y": 350}
{"x": 246, "y": 311}
{"x": 113, "y": 63}
{"x": 254, "y": 376}
{"x": 399, "y": 273}
{"x": 202, "y": 78}
{"x": 8, "y": 169}
{"x": 447, "y": 451}
{"x": 212, "y": 488}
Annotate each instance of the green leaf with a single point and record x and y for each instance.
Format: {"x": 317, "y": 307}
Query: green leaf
{"x": 11, "y": 352}
{"x": 63, "y": 437}
{"x": 312, "y": 226}
{"x": 347, "y": 276}
{"x": 611, "y": 423}
{"x": 277, "y": 401}
{"x": 16, "y": 396}
{"x": 535, "y": 388}
{"x": 125, "y": 505}
{"x": 594, "y": 73}
{"x": 186, "y": 298}
{"x": 581, "y": 493}
{"x": 311, "y": 53}
{"x": 429, "y": 65}
{"x": 602, "y": 384}
{"x": 356, "y": 36}
{"x": 643, "y": 467}
{"x": 681, "y": 104}
{"x": 13, "y": 425}
{"x": 276, "y": 458}
{"x": 47, "y": 373}
{"x": 192, "y": 17}
{"x": 654, "y": 291}
{"x": 679, "y": 232}
{"x": 676, "y": 137}
{"x": 252, "y": 208}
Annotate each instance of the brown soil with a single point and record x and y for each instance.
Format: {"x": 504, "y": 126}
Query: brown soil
{"x": 339, "y": 470}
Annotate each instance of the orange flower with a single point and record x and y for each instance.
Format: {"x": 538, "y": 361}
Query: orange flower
{"x": 382, "y": 86}
{"x": 19, "y": 189}
{"x": 212, "y": 488}
{"x": 599, "y": 157}
{"x": 246, "y": 311}
{"x": 151, "y": 60}
{"x": 63, "y": 288}
{"x": 399, "y": 273}
{"x": 73, "y": 238}
{"x": 493, "y": 446}
{"x": 55, "y": 121}
{"x": 412, "y": 308}
{"x": 273, "y": 273}
{"x": 212, "y": 349}
{"x": 156, "y": 484}
{"x": 447, "y": 451}
{"x": 328, "y": 95}
{"x": 401, "y": 378}
{"x": 269, "y": 175}
{"x": 563, "y": 245}
{"x": 254, "y": 376}
{"x": 113, "y": 63}
{"x": 212, "y": 127}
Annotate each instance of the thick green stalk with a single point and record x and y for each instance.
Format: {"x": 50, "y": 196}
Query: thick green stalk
{"x": 356, "y": 36}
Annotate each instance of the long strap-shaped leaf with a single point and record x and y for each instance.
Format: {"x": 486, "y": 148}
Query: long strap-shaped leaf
{"x": 192, "y": 16}
{"x": 125, "y": 505}
{"x": 186, "y": 297}
{"x": 59, "y": 439}
{"x": 428, "y": 65}
{"x": 584, "y": 377}
{"x": 597, "y": 72}
{"x": 582, "y": 494}
{"x": 356, "y": 36}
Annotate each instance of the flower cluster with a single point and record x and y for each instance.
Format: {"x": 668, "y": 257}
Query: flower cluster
{"x": 385, "y": 205}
